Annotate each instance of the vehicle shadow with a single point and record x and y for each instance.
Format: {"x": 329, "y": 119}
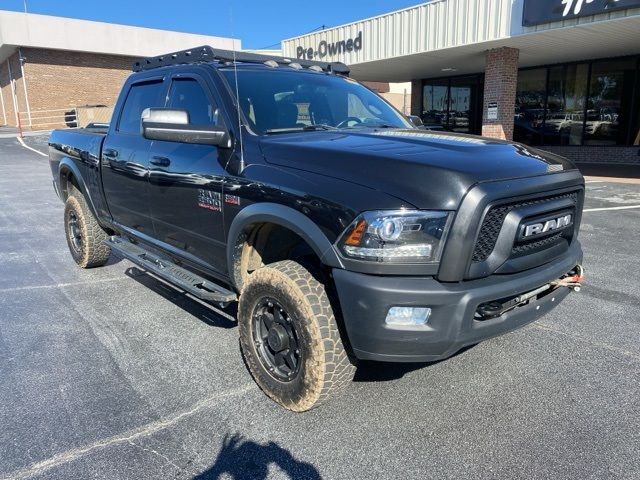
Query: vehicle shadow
{"x": 239, "y": 458}
{"x": 385, "y": 371}
{"x": 203, "y": 311}
{"x": 367, "y": 371}
{"x": 113, "y": 259}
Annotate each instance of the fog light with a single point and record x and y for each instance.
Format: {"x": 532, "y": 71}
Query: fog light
{"x": 408, "y": 316}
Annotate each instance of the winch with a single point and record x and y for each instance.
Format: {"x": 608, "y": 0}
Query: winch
{"x": 573, "y": 280}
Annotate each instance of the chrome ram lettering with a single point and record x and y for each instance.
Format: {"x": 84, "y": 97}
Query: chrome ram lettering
{"x": 549, "y": 225}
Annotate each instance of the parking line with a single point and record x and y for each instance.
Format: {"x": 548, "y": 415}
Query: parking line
{"x": 628, "y": 207}
{"x": 62, "y": 285}
{"x": 29, "y": 148}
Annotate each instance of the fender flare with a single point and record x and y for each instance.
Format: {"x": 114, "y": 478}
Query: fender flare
{"x": 285, "y": 217}
{"x": 68, "y": 166}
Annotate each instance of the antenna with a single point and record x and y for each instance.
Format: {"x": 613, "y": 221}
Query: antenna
{"x": 235, "y": 74}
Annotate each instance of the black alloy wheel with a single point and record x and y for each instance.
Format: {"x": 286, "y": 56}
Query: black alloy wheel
{"x": 74, "y": 232}
{"x": 276, "y": 340}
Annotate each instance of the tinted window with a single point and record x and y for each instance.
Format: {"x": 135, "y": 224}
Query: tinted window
{"x": 140, "y": 96}
{"x": 635, "y": 130}
{"x": 453, "y": 104}
{"x": 530, "y": 102}
{"x": 573, "y": 108}
{"x": 460, "y": 109}
{"x": 567, "y": 94}
{"x": 187, "y": 94}
{"x": 435, "y": 104}
{"x": 610, "y": 95}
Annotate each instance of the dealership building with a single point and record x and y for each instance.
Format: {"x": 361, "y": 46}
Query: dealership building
{"x": 562, "y": 75}
{"x": 58, "y": 71}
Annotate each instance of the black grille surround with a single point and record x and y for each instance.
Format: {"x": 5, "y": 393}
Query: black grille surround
{"x": 494, "y": 218}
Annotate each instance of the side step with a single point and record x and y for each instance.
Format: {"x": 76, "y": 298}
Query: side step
{"x": 172, "y": 273}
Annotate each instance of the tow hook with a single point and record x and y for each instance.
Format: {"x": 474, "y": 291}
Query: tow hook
{"x": 572, "y": 280}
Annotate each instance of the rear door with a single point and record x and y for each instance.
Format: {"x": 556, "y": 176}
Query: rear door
{"x": 125, "y": 157}
{"x": 186, "y": 180}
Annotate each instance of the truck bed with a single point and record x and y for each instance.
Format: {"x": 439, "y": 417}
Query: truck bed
{"x": 77, "y": 152}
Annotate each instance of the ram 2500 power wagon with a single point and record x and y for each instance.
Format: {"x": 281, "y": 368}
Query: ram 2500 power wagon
{"x": 343, "y": 231}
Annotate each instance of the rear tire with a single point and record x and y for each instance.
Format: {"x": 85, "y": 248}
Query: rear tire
{"x": 85, "y": 237}
{"x": 289, "y": 337}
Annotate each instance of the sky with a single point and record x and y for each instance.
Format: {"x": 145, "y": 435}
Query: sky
{"x": 257, "y": 23}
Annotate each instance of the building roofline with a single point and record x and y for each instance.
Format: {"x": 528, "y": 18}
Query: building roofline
{"x": 400, "y": 10}
{"x": 32, "y": 30}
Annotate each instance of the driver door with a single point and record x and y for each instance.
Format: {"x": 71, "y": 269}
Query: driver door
{"x": 186, "y": 180}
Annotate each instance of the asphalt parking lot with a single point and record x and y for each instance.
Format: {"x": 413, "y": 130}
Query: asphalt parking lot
{"x": 108, "y": 373}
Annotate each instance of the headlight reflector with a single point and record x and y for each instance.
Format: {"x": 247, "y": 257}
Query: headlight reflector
{"x": 397, "y": 236}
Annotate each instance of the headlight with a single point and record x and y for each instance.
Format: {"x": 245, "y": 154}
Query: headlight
{"x": 398, "y": 236}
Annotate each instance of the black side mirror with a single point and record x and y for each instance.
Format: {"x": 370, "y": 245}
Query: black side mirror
{"x": 171, "y": 125}
{"x": 415, "y": 120}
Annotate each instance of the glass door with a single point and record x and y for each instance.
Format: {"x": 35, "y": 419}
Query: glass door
{"x": 453, "y": 104}
{"x": 435, "y": 104}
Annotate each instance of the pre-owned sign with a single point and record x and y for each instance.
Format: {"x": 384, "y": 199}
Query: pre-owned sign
{"x": 545, "y": 11}
{"x": 325, "y": 48}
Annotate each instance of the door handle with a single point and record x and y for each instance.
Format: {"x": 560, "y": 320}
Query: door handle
{"x": 160, "y": 161}
{"x": 110, "y": 153}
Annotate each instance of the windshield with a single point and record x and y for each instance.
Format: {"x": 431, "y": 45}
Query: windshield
{"x": 277, "y": 101}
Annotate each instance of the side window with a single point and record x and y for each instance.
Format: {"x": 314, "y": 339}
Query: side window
{"x": 140, "y": 96}
{"x": 187, "y": 94}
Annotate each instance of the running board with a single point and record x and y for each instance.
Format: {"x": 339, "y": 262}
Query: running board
{"x": 172, "y": 273}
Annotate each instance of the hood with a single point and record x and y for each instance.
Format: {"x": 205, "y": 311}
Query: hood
{"x": 430, "y": 170}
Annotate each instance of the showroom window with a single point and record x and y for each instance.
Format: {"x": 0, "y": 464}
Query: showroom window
{"x": 530, "y": 105}
{"x": 453, "y": 104}
{"x": 567, "y": 90}
{"x": 610, "y": 107}
{"x": 591, "y": 103}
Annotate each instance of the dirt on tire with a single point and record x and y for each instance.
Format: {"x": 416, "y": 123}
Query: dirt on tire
{"x": 326, "y": 368}
{"x": 93, "y": 251}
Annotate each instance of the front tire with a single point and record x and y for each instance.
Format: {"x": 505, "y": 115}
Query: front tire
{"x": 85, "y": 237}
{"x": 289, "y": 337}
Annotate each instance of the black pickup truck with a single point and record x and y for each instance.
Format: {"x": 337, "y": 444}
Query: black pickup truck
{"x": 343, "y": 230}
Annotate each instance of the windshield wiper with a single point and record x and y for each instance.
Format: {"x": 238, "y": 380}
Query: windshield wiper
{"x": 372, "y": 125}
{"x": 319, "y": 126}
{"x": 383, "y": 125}
{"x": 306, "y": 128}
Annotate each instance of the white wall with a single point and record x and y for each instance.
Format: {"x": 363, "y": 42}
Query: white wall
{"x": 431, "y": 26}
{"x": 43, "y": 31}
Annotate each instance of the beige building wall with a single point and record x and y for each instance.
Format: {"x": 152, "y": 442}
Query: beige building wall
{"x": 59, "y": 81}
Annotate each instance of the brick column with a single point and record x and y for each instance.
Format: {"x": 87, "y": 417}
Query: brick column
{"x": 500, "y": 81}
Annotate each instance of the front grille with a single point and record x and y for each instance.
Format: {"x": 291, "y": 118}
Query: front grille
{"x": 493, "y": 220}
{"x": 536, "y": 245}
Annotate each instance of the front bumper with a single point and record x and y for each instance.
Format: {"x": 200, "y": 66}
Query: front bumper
{"x": 366, "y": 299}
